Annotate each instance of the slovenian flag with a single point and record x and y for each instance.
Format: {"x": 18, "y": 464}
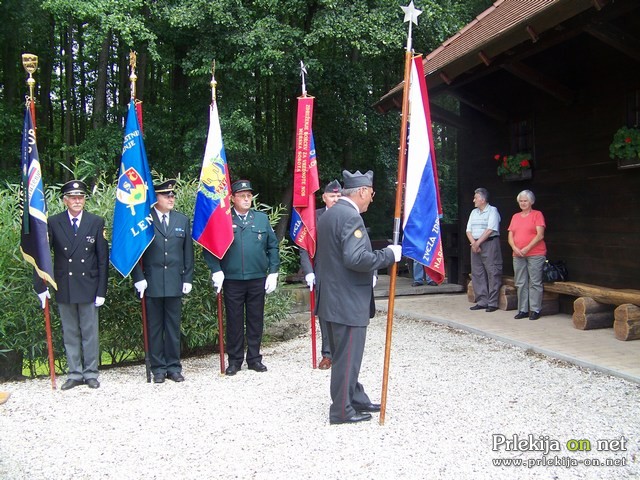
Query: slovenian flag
{"x": 132, "y": 221}
{"x": 305, "y": 180}
{"x": 34, "y": 241}
{"x": 421, "y": 224}
{"x": 212, "y": 224}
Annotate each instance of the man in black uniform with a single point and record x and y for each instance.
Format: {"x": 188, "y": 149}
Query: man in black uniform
{"x": 165, "y": 275}
{"x": 248, "y": 270}
{"x": 332, "y": 193}
{"x": 81, "y": 268}
{"x": 345, "y": 266}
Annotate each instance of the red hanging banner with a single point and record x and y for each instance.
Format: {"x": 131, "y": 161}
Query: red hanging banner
{"x": 301, "y": 164}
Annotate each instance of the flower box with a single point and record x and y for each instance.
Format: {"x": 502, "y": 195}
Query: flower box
{"x": 524, "y": 174}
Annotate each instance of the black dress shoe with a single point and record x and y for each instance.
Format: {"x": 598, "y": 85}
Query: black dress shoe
{"x": 258, "y": 367}
{"x": 175, "y": 376}
{"x": 534, "y": 316}
{"x": 491, "y": 309}
{"x": 417, "y": 284}
{"x": 372, "y": 407}
{"x": 232, "y": 369}
{"x": 431, "y": 283}
{"x": 92, "y": 382}
{"x": 520, "y": 315}
{"x": 158, "y": 378}
{"x": 478, "y": 307}
{"x": 358, "y": 417}
{"x": 70, "y": 383}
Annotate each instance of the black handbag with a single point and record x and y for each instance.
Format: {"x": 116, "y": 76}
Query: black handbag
{"x": 554, "y": 271}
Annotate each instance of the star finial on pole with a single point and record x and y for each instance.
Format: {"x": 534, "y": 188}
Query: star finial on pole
{"x": 410, "y": 15}
{"x": 303, "y": 71}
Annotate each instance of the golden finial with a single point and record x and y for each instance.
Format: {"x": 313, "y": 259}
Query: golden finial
{"x": 30, "y": 64}
{"x": 133, "y": 77}
{"x": 213, "y": 81}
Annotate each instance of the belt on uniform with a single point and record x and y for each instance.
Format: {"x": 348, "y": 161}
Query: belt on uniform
{"x": 491, "y": 238}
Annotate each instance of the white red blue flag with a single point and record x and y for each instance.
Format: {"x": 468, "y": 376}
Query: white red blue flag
{"x": 212, "y": 224}
{"x": 34, "y": 241}
{"x": 305, "y": 180}
{"x": 421, "y": 224}
{"x": 135, "y": 196}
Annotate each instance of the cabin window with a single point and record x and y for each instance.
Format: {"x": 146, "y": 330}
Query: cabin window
{"x": 633, "y": 109}
{"x": 521, "y": 133}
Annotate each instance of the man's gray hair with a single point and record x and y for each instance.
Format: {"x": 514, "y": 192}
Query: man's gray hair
{"x": 483, "y": 192}
{"x": 348, "y": 192}
{"x": 528, "y": 193}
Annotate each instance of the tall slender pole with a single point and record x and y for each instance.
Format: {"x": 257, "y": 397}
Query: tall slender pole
{"x": 214, "y": 84}
{"x": 396, "y": 233}
{"x": 30, "y": 64}
{"x": 145, "y": 330}
{"x": 410, "y": 15}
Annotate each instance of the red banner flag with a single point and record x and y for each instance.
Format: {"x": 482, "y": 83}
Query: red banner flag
{"x": 304, "y": 185}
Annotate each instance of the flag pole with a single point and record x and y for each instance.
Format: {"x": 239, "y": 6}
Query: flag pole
{"x": 30, "y": 64}
{"x": 214, "y": 84}
{"x": 312, "y": 295}
{"x": 411, "y": 15}
{"x": 145, "y": 331}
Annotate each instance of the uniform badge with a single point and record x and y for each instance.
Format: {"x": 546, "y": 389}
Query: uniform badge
{"x": 91, "y": 239}
{"x": 357, "y": 233}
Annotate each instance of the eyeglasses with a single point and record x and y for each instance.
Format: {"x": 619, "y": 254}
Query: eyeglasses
{"x": 170, "y": 194}
{"x": 372, "y": 191}
{"x": 243, "y": 195}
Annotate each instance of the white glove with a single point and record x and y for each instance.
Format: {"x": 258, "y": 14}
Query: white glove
{"x": 310, "y": 278}
{"x": 141, "y": 286}
{"x": 218, "y": 280}
{"x": 186, "y": 288}
{"x": 99, "y": 301}
{"x": 397, "y": 251}
{"x": 375, "y": 280}
{"x": 43, "y": 297}
{"x": 271, "y": 283}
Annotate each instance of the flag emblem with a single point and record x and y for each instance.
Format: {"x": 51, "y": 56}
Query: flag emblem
{"x": 131, "y": 189}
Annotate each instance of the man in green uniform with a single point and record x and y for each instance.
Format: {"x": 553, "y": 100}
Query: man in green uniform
{"x": 247, "y": 272}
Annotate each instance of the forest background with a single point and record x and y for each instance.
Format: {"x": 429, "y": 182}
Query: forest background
{"x": 353, "y": 52}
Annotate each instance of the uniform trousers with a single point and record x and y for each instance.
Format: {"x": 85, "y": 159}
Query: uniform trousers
{"x": 347, "y": 347}
{"x": 324, "y": 333}
{"x": 163, "y": 322}
{"x": 486, "y": 272}
{"x": 80, "y": 334}
{"x": 244, "y": 299}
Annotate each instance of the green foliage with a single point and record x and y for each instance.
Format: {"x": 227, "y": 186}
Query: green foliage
{"x": 625, "y": 144}
{"x": 21, "y": 320}
{"x": 512, "y": 163}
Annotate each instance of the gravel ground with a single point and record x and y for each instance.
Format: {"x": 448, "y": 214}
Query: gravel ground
{"x": 451, "y": 394}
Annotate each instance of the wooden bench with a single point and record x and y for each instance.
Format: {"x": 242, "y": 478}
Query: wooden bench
{"x": 594, "y": 307}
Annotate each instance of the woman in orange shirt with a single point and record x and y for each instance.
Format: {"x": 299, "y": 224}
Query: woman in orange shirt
{"x": 526, "y": 237}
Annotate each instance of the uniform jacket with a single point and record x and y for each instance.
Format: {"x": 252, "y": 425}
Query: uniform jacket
{"x": 80, "y": 262}
{"x": 305, "y": 260}
{"x": 168, "y": 260}
{"x": 345, "y": 265}
{"x": 254, "y": 252}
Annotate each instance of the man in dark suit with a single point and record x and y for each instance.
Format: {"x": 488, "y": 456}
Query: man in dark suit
{"x": 345, "y": 266}
{"x": 165, "y": 275}
{"x": 81, "y": 268}
{"x": 332, "y": 193}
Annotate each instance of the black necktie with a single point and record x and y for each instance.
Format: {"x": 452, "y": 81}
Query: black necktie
{"x": 74, "y": 221}
{"x": 164, "y": 222}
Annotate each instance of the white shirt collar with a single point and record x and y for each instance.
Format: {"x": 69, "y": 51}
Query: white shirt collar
{"x": 159, "y": 213}
{"x": 71, "y": 217}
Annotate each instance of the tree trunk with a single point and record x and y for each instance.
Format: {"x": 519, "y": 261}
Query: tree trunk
{"x": 100, "y": 99}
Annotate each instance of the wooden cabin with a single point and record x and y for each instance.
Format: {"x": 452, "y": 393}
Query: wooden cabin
{"x": 555, "y": 79}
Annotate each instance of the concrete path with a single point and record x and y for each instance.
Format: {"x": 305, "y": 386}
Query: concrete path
{"x": 553, "y": 335}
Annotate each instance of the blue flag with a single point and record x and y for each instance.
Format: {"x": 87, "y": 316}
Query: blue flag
{"x": 34, "y": 241}
{"x": 132, "y": 221}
